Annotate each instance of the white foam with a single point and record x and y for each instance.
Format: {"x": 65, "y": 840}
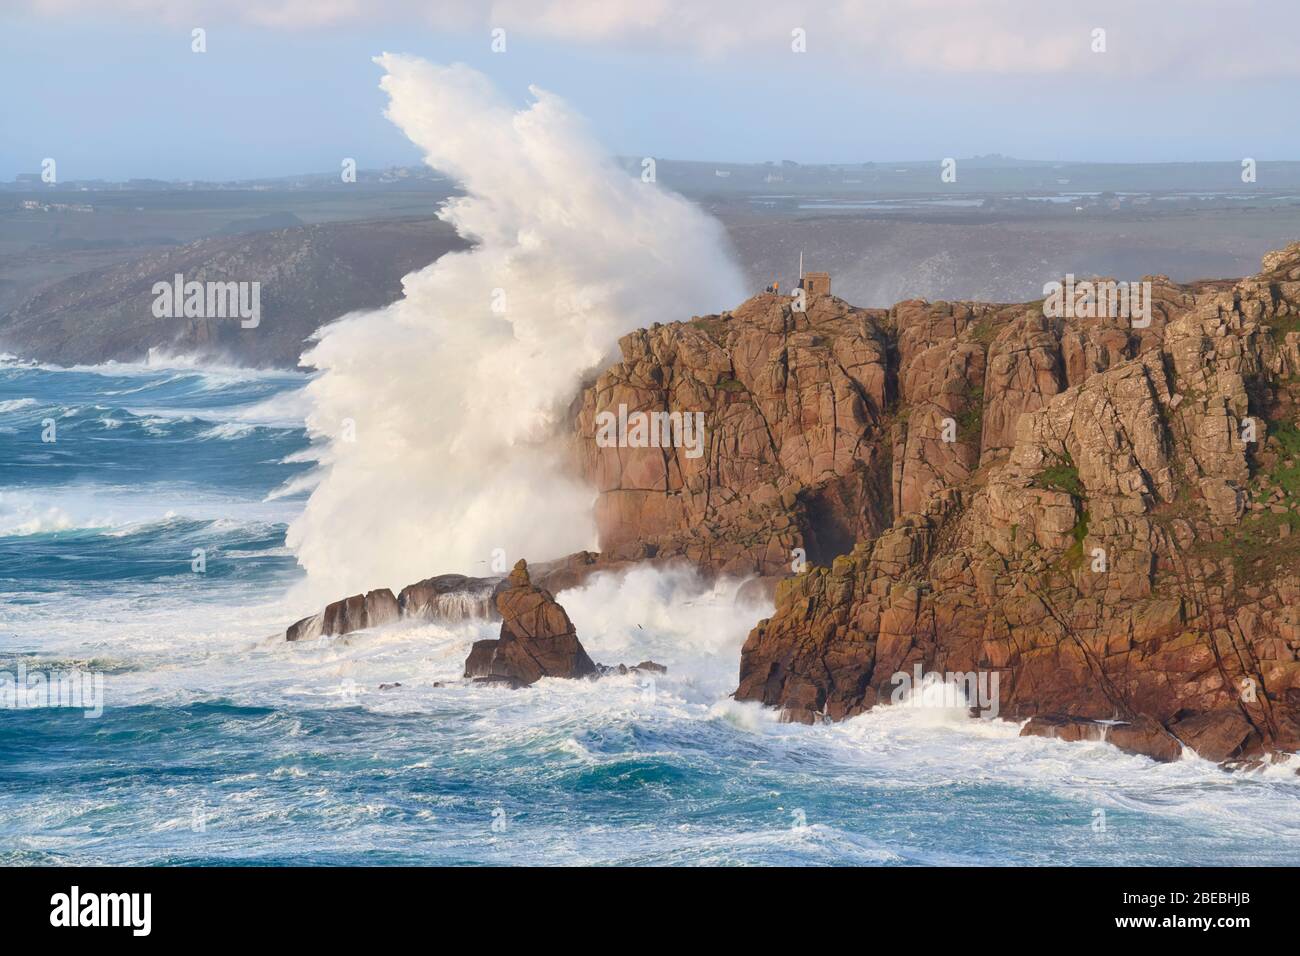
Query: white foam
{"x": 215, "y": 373}
{"x": 668, "y": 616}
{"x": 19, "y": 518}
{"x": 180, "y": 646}
{"x": 94, "y": 506}
{"x": 228, "y": 431}
{"x": 456, "y": 408}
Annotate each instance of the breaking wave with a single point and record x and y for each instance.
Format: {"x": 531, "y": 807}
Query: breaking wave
{"x": 439, "y": 415}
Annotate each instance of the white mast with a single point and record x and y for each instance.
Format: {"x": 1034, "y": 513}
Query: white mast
{"x": 801, "y": 267}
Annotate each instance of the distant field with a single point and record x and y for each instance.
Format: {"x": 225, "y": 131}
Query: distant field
{"x": 878, "y": 260}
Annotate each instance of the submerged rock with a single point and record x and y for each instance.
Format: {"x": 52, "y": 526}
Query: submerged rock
{"x": 1140, "y": 736}
{"x": 645, "y": 667}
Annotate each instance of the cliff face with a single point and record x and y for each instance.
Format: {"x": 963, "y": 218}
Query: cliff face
{"x": 1102, "y": 514}
{"x": 794, "y": 453}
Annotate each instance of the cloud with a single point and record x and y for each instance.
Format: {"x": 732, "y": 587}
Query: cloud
{"x": 1204, "y": 38}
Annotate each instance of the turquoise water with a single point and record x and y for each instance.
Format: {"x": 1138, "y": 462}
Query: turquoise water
{"x": 220, "y": 743}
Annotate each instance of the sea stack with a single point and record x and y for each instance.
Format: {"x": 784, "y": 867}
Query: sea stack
{"x": 537, "y": 638}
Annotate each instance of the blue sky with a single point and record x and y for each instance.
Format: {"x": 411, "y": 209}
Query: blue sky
{"x": 119, "y": 94}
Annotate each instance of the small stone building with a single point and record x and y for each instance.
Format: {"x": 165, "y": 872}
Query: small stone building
{"x": 816, "y": 283}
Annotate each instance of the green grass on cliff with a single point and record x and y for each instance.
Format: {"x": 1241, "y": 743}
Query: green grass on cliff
{"x": 1265, "y": 542}
{"x": 1255, "y": 548}
{"x": 713, "y": 326}
{"x": 1073, "y": 556}
{"x": 1281, "y": 475}
{"x": 984, "y": 330}
{"x": 1279, "y": 468}
{"x": 1282, "y": 324}
{"x": 970, "y": 422}
{"x": 1061, "y": 476}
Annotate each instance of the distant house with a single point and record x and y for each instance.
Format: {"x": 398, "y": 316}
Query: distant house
{"x": 816, "y": 283}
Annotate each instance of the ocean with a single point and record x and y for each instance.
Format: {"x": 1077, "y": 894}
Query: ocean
{"x": 220, "y": 743}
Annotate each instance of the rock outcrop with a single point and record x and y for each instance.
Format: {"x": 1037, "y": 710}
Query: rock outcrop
{"x": 356, "y": 613}
{"x": 449, "y": 597}
{"x": 537, "y": 638}
{"x": 445, "y": 597}
{"x": 1109, "y": 527}
{"x": 1143, "y": 735}
{"x": 1103, "y": 512}
{"x": 793, "y": 453}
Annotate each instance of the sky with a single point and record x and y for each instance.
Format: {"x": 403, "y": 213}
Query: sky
{"x": 112, "y": 89}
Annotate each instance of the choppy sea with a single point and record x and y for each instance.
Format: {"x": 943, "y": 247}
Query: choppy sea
{"x": 217, "y": 742}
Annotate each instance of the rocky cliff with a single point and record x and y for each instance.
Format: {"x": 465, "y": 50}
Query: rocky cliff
{"x": 1101, "y": 511}
{"x": 797, "y": 412}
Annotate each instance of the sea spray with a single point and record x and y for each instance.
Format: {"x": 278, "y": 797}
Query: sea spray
{"x": 937, "y": 690}
{"x": 443, "y": 416}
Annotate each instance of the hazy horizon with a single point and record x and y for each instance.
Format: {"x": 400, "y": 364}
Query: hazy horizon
{"x": 117, "y": 93}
